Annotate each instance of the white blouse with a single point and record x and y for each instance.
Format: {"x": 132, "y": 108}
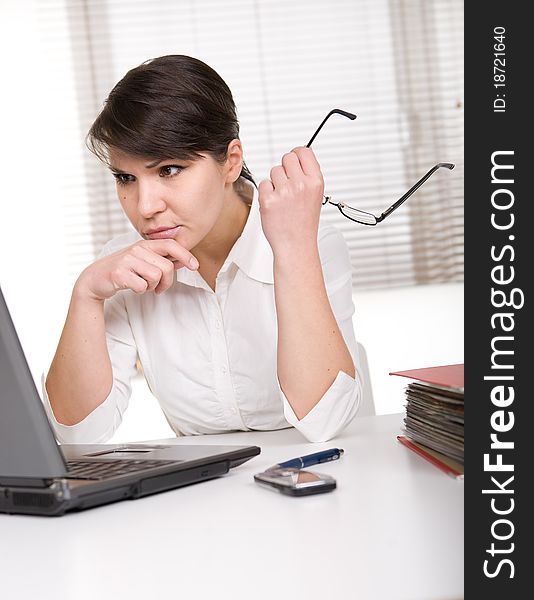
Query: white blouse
{"x": 209, "y": 357}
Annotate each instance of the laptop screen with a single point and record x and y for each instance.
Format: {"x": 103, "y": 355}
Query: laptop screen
{"x": 28, "y": 447}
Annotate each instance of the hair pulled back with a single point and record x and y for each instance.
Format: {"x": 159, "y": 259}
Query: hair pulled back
{"x": 173, "y": 106}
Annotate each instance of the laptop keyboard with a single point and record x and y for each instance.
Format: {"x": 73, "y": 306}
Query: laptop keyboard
{"x": 85, "y": 469}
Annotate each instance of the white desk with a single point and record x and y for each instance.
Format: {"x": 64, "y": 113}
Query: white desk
{"x": 392, "y": 530}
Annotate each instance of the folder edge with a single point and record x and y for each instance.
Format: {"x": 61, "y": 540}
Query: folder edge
{"x": 441, "y": 376}
{"x": 430, "y": 458}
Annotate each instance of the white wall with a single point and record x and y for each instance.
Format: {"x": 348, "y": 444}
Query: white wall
{"x": 408, "y": 328}
{"x": 40, "y": 138}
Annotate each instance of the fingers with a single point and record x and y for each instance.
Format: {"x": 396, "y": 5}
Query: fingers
{"x": 172, "y": 250}
{"x": 135, "y": 274}
{"x": 291, "y": 164}
{"x": 278, "y": 176}
{"x": 265, "y": 187}
{"x": 149, "y": 265}
{"x": 127, "y": 279}
{"x": 289, "y": 169}
{"x": 163, "y": 274}
{"x": 295, "y": 164}
{"x": 307, "y": 160}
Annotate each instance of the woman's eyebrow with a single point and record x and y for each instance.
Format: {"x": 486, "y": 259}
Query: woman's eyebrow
{"x": 149, "y": 166}
{"x": 153, "y": 164}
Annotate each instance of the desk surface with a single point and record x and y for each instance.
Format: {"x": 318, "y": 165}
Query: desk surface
{"x": 392, "y": 530}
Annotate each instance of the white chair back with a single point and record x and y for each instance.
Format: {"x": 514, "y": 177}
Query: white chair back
{"x": 367, "y": 406}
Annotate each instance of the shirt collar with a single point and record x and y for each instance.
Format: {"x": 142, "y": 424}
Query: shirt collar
{"x": 251, "y": 252}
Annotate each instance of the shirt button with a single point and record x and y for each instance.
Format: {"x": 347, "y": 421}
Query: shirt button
{"x": 218, "y": 324}
{"x": 233, "y": 410}
{"x": 223, "y": 369}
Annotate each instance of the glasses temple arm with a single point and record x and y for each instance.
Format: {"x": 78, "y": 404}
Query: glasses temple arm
{"x": 413, "y": 189}
{"x": 332, "y": 112}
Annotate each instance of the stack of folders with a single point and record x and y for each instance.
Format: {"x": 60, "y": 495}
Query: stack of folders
{"x": 434, "y": 421}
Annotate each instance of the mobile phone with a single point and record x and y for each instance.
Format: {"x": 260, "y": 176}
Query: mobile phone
{"x": 296, "y": 482}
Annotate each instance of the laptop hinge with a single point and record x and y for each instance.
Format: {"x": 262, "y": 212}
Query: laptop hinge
{"x": 27, "y": 482}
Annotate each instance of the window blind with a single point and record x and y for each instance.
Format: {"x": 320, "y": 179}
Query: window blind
{"x": 397, "y": 64}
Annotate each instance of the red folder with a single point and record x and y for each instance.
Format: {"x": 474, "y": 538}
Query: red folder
{"x": 444, "y": 463}
{"x": 446, "y": 376}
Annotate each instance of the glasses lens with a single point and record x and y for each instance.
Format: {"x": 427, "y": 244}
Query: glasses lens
{"x": 359, "y": 215}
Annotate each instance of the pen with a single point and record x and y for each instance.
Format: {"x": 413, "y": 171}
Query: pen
{"x": 311, "y": 459}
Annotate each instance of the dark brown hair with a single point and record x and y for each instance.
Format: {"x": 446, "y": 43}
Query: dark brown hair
{"x": 173, "y": 106}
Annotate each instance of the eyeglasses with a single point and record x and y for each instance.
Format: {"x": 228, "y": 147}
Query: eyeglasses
{"x": 361, "y": 216}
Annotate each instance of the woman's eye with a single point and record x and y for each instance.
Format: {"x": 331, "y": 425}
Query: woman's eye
{"x": 123, "y": 178}
{"x": 170, "y": 170}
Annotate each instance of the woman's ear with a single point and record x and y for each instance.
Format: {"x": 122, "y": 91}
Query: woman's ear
{"x": 234, "y": 161}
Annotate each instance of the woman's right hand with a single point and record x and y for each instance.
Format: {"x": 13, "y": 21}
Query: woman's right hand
{"x": 147, "y": 265}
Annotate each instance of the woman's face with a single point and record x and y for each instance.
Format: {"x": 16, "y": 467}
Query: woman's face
{"x": 176, "y": 199}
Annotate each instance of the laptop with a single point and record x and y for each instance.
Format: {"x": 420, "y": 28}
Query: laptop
{"x": 38, "y": 476}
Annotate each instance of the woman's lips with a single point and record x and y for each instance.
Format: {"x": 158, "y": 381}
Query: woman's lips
{"x": 162, "y": 234}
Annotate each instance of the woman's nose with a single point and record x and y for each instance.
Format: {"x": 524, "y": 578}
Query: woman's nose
{"x": 149, "y": 202}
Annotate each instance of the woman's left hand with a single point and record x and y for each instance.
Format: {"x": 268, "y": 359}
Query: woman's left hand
{"x": 290, "y": 202}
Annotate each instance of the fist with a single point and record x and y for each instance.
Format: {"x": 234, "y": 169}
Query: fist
{"x": 290, "y": 202}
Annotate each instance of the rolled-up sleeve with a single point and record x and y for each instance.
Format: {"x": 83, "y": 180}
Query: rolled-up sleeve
{"x": 100, "y": 425}
{"x": 339, "y": 405}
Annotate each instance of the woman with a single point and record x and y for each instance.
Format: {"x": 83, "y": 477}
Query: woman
{"x": 220, "y": 291}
